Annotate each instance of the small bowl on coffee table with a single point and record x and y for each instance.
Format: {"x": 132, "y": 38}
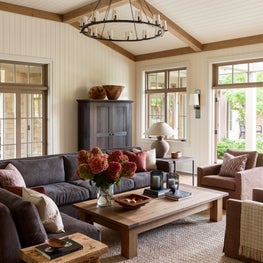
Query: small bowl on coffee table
{"x": 132, "y": 201}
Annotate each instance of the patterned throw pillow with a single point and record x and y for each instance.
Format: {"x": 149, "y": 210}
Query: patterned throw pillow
{"x": 232, "y": 164}
{"x": 47, "y": 209}
{"x": 11, "y": 176}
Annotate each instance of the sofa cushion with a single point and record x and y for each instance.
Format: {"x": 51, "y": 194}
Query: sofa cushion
{"x": 73, "y": 225}
{"x": 139, "y": 158}
{"x": 47, "y": 209}
{"x": 71, "y": 165}
{"x": 11, "y": 176}
{"x": 29, "y": 226}
{"x": 218, "y": 181}
{"x": 251, "y": 157}
{"x": 91, "y": 188}
{"x": 232, "y": 164}
{"x": 127, "y": 184}
{"x": 66, "y": 193}
{"x": 141, "y": 179}
{"x": 41, "y": 171}
{"x": 10, "y": 244}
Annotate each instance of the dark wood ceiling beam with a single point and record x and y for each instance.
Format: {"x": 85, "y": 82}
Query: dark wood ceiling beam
{"x": 111, "y": 45}
{"x": 165, "y": 53}
{"x": 237, "y": 42}
{"x": 30, "y": 12}
{"x": 173, "y": 28}
{"x": 75, "y": 15}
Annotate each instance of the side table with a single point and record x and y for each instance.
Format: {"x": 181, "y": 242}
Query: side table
{"x": 91, "y": 252}
{"x": 182, "y": 159}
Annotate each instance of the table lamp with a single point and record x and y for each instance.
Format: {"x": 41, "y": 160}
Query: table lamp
{"x": 160, "y": 129}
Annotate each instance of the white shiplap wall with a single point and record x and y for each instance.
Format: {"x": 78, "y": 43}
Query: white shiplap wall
{"x": 77, "y": 63}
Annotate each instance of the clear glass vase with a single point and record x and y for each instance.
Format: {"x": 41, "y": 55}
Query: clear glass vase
{"x": 104, "y": 196}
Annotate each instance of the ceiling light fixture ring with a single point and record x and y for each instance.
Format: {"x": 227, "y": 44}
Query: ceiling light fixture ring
{"x": 88, "y": 30}
{"x": 140, "y": 25}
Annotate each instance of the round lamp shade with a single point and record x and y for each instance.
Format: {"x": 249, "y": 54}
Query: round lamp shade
{"x": 160, "y": 129}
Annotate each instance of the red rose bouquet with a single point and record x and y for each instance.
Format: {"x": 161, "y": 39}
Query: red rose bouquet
{"x": 103, "y": 169}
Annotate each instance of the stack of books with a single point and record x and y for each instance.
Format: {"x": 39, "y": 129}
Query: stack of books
{"x": 155, "y": 193}
{"x": 178, "y": 195}
{"x": 51, "y": 253}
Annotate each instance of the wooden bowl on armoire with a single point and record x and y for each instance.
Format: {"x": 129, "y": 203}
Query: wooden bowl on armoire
{"x": 113, "y": 91}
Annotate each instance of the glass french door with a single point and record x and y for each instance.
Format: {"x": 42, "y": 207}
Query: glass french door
{"x": 22, "y": 124}
{"x": 238, "y": 120}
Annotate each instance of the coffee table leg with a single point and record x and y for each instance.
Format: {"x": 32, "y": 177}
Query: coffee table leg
{"x": 216, "y": 210}
{"x": 129, "y": 242}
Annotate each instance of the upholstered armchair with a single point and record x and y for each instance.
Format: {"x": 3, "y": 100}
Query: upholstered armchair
{"x": 237, "y": 181}
{"x": 232, "y": 239}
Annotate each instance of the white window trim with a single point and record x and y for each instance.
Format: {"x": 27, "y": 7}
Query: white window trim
{"x": 49, "y": 62}
{"x": 140, "y": 96}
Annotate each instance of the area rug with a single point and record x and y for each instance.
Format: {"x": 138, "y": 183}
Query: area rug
{"x": 192, "y": 239}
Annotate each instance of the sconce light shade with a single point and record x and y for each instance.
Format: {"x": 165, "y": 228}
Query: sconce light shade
{"x": 160, "y": 129}
{"x": 194, "y": 100}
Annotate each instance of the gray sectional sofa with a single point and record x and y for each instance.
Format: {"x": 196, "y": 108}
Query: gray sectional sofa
{"x": 57, "y": 175}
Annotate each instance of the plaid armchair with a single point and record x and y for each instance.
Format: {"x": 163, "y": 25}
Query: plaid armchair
{"x": 233, "y": 222}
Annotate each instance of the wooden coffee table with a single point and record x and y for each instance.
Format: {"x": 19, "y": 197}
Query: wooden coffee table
{"x": 160, "y": 211}
{"x": 91, "y": 252}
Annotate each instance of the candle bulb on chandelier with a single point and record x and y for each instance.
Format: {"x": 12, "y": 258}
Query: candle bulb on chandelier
{"x": 114, "y": 14}
{"x": 95, "y": 32}
{"x": 154, "y": 19}
{"x": 164, "y": 25}
{"x": 158, "y": 19}
{"x": 139, "y": 16}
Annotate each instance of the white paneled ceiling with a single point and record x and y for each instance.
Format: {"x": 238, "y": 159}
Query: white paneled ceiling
{"x": 202, "y": 21}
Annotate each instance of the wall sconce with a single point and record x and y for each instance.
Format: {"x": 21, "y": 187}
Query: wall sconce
{"x": 194, "y": 100}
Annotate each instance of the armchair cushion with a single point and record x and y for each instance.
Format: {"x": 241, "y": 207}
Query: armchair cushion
{"x": 232, "y": 164}
{"x": 251, "y": 157}
{"x": 225, "y": 182}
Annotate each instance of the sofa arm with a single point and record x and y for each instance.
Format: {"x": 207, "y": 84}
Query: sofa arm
{"x": 207, "y": 170}
{"x": 257, "y": 195}
{"x": 232, "y": 231}
{"x": 165, "y": 166}
{"x": 248, "y": 180}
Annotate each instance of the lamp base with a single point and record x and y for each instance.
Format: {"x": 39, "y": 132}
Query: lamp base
{"x": 161, "y": 146}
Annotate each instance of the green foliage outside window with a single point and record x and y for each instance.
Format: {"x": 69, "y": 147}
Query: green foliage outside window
{"x": 226, "y": 143}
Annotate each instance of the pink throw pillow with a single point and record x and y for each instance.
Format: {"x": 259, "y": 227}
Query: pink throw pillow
{"x": 139, "y": 158}
{"x": 11, "y": 176}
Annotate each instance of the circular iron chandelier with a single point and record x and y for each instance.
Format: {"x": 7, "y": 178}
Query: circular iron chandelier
{"x": 141, "y": 24}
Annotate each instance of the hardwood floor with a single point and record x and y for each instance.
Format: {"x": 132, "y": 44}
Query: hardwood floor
{"x": 186, "y": 178}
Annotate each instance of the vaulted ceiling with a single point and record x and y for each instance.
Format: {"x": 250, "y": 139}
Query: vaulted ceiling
{"x": 193, "y": 26}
